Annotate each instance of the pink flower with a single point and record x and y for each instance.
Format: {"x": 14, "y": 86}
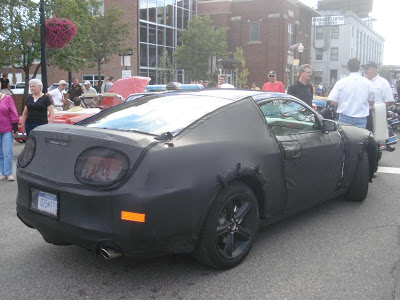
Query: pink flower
{"x": 59, "y": 32}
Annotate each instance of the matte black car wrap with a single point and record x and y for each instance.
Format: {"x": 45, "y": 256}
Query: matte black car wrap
{"x": 202, "y": 188}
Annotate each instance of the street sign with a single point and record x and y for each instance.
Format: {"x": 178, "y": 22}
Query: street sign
{"x": 330, "y": 20}
{"x": 126, "y": 73}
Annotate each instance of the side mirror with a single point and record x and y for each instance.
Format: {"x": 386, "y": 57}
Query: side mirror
{"x": 329, "y": 125}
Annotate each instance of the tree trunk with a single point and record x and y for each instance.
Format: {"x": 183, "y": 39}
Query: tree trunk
{"x": 25, "y": 89}
{"x": 69, "y": 78}
{"x": 99, "y": 76}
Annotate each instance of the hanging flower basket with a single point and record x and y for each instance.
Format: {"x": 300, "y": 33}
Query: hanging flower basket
{"x": 59, "y": 32}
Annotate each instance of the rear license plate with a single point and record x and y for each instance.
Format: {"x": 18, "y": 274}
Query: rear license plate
{"x": 44, "y": 202}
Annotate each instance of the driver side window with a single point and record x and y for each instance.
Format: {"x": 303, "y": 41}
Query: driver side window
{"x": 287, "y": 117}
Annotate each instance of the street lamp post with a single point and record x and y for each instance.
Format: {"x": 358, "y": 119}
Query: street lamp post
{"x": 300, "y": 48}
{"x": 43, "y": 60}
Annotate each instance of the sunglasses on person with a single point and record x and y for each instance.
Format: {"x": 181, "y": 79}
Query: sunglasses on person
{"x": 271, "y": 75}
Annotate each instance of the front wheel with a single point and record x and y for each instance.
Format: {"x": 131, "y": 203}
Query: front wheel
{"x": 359, "y": 187}
{"x": 230, "y": 228}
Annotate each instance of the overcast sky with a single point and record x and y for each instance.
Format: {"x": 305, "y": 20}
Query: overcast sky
{"x": 387, "y": 14}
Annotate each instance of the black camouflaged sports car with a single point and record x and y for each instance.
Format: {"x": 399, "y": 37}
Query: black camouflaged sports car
{"x": 193, "y": 172}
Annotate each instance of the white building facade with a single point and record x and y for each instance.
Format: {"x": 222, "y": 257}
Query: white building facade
{"x": 337, "y": 37}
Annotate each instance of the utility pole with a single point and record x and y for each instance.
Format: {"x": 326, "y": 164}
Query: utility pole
{"x": 43, "y": 56}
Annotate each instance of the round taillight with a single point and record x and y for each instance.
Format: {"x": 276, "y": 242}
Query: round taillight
{"x": 100, "y": 166}
{"x": 28, "y": 153}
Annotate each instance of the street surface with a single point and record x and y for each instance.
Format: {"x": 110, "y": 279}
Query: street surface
{"x": 337, "y": 250}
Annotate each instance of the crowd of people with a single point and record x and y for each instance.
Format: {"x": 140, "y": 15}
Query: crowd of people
{"x": 354, "y": 96}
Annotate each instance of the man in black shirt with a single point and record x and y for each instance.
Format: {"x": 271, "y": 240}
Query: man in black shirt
{"x": 75, "y": 89}
{"x": 301, "y": 88}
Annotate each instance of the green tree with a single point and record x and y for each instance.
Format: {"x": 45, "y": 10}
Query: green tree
{"x": 74, "y": 55}
{"x": 108, "y": 35}
{"x": 242, "y": 73}
{"x": 200, "y": 41}
{"x": 20, "y": 36}
{"x": 165, "y": 69}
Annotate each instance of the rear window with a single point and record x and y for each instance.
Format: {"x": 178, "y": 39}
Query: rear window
{"x": 157, "y": 114}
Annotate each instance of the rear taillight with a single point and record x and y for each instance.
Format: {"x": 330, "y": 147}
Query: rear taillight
{"x": 99, "y": 166}
{"x": 28, "y": 153}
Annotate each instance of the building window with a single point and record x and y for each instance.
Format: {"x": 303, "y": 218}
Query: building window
{"x": 92, "y": 78}
{"x": 333, "y": 77}
{"x": 290, "y": 36}
{"x": 334, "y": 54}
{"x": 319, "y": 33}
{"x": 160, "y": 24}
{"x": 319, "y": 53}
{"x": 334, "y": 32}
{"x": 254, "y": 31}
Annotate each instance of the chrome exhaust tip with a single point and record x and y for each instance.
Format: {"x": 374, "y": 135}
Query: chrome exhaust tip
{"x": 109, "y": 253}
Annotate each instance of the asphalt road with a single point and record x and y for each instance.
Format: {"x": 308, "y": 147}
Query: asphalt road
{"x": 337, "y": 250}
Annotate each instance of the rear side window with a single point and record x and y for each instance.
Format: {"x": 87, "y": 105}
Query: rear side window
{"x": 157, "y": 114}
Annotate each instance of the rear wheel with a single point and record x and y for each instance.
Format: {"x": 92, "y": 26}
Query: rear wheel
{"x": 230, "y": 228}
{"x": 359, "y": 187}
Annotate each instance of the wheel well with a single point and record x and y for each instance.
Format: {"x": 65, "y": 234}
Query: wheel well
{"x": 258, "y": 190}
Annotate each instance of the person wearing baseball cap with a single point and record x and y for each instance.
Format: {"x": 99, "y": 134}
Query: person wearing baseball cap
{"x": 57, "y": 96}
{"x": 109, "y": 84}
{"x": 273, "y": 85}
{"x": 87, "y": 88}
{"x": 87, "y": 99}
{"x": 382, "y": 89}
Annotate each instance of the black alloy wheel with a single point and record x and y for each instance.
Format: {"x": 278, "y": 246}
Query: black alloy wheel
{"x": 230, "y": 228}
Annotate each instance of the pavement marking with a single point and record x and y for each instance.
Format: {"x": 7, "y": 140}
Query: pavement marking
{"x": 388, "y": 170}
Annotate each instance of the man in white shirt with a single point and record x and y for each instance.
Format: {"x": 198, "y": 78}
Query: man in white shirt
{"x": 57, "y": 96}
{"x": 353, "y": 95}
{"x": 383, "y": 91}
{"x": 88, "y": 89}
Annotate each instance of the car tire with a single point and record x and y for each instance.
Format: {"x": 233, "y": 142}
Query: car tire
{"x": 230, "y": 228}
{"x": 359, "y": 187}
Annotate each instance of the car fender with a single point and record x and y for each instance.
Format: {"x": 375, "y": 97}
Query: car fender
{"x": 357, "y": 141}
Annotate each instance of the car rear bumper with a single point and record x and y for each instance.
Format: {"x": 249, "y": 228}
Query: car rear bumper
{"x": 92, "y": 220}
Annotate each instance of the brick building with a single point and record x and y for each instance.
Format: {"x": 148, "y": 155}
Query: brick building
{"x": 265, "y": 29}
{"x": 154, "y": 28}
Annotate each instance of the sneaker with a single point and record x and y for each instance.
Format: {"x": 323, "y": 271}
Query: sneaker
{"x": 374, "y": 175}
{"x": 2, "y": 177}
{"x": 10, "y": 178}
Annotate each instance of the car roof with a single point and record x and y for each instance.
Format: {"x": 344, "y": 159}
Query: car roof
{"x": 228, "y": 94}
{"x": 176, "y": 87}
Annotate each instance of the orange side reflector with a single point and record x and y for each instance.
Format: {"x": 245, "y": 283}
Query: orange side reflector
{"x": 131, "y": 216}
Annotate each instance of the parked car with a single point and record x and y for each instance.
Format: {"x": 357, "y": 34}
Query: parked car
{"x": 18, "y": 88}
{"x": 187, "y": 172}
